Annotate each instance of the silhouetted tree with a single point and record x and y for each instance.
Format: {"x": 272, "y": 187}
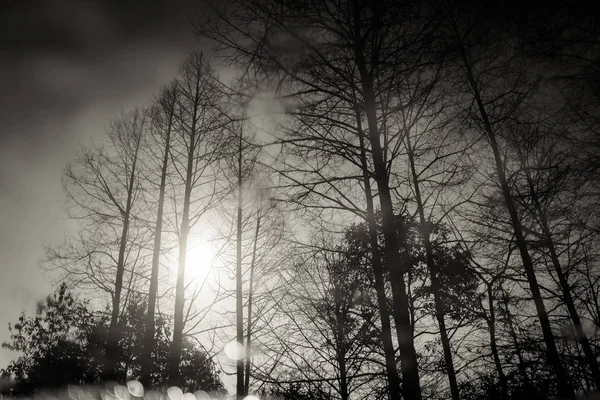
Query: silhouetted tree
{"x": 65, "y": 343}
{"x": 103, "y": 186}
{"x": 54, "y": 345}
{"x": 162, "y": 122}
{"x": 481, "y": 63}
{"x": 332, "y": 322}
{"x": 330, "y": 58}
{"x": 196, "y": 147}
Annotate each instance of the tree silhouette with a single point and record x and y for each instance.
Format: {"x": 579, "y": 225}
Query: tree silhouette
{"x": 54, "y": 344}
{"x": 64, "y": 343}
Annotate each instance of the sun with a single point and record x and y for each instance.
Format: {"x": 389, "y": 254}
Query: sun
{"x": 200, "y": 258}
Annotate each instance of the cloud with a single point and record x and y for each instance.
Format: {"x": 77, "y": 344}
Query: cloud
{"x": 68, "y": 67}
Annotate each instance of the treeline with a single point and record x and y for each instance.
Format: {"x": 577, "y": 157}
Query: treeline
{"x": 64, "y": 343}
{"x": 416, "y": 217}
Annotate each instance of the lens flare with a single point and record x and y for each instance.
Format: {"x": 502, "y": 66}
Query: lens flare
{"x": 107, "y": 395}
{"x": 153, "y": 395}
{"x": 75, "y": 392}
{"x": 175, "y": 393}
{"x": 110, "y": 386}
{"x": 202, "y": 395}
{"x": 234, "y": 350}
{"x": 135, "y": 388}
{"x": 122, "y": 392}
{"x": 188, "y": 396}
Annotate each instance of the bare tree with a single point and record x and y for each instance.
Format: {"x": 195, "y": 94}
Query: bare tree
{"x": 103, "y": 186}
{"x": 504, "y": 103}
{"x": 196, "y": 148}
{"x": 329, "y": 323}
{"x": 162, "y": 120}
{"x": 128, "y": 134}
{"x": 538, "y": 154}
{"x": 346, "y": 57}
{"x": 435, "y": 166}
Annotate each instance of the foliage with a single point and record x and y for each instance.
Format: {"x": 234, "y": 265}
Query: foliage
{"x": 64, "y": 342}
{"x": 54, "y": 343}
{"x": 294, "y": 391}
{"x": 458, "y": 281}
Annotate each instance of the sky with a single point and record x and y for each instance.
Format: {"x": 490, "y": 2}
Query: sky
{"x": 67, "y": 67}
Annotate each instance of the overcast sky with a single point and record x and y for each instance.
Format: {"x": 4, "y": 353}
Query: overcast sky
{"x": 67, "y": 68}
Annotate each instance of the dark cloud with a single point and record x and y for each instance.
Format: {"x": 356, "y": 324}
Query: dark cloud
{"x": 57, "y": 53}
{"x": 81, "y": 26}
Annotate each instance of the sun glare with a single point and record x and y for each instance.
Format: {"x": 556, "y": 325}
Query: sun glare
{"x": 200, "y": 257}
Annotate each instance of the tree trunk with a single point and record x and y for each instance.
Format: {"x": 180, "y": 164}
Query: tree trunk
{"x": 565, "y": 389}
{"x": 146, "y": 359}
{"x": 250, "y": 299}
{"x": 238, "y": 281}
{"x": 410, "y": 372}
{"x": 384, "y": 315}
{"x": 590, "y": 357}
{"x": 515, "y": 339}
{"x": 433, "y": 271}
{"x": 494, "y": 344}
{"x": 112, "y": 343}
{"x": 175, "y": 357}
{"x": 341, "y": 357}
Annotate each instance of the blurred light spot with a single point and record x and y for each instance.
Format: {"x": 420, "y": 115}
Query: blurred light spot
{"x": 135, "y": 388}
{"x": 251, "y": 397}
{"x": 152, "y": 395}
{"x": 88, "y": 395}
{"x": 188, "y": 396}
{"x": 174, "y": 393}
{"x": 106, "y": 395}
{"x": 234, "y": 350}
{"x": 75, "y": 392}
{"x": 202, "y": 395}
{"x": 122, "y": 392}
{"x": 110, "y": 386}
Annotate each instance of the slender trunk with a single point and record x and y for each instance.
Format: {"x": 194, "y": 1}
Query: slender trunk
{"x": 590, "y": 357}
{"x": 494, "y": 344}
{"x": 565, "y": 389}
{"x": 175, "y": 356}
{"x": 586, "y": 378}
{"x": 250, "y": 299}
{"x": 433, "y": 273}
{"x": 112, "y": 343}
{"x": 408, "y": 355}
{"x": 238, "y": 280}
{"x": 341, "y": 357}
{"x": 515, "y": 339}
{"x": 384, "y": 315}
{"x": 146, "y": 361}
{"x": 174, "y": 373}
